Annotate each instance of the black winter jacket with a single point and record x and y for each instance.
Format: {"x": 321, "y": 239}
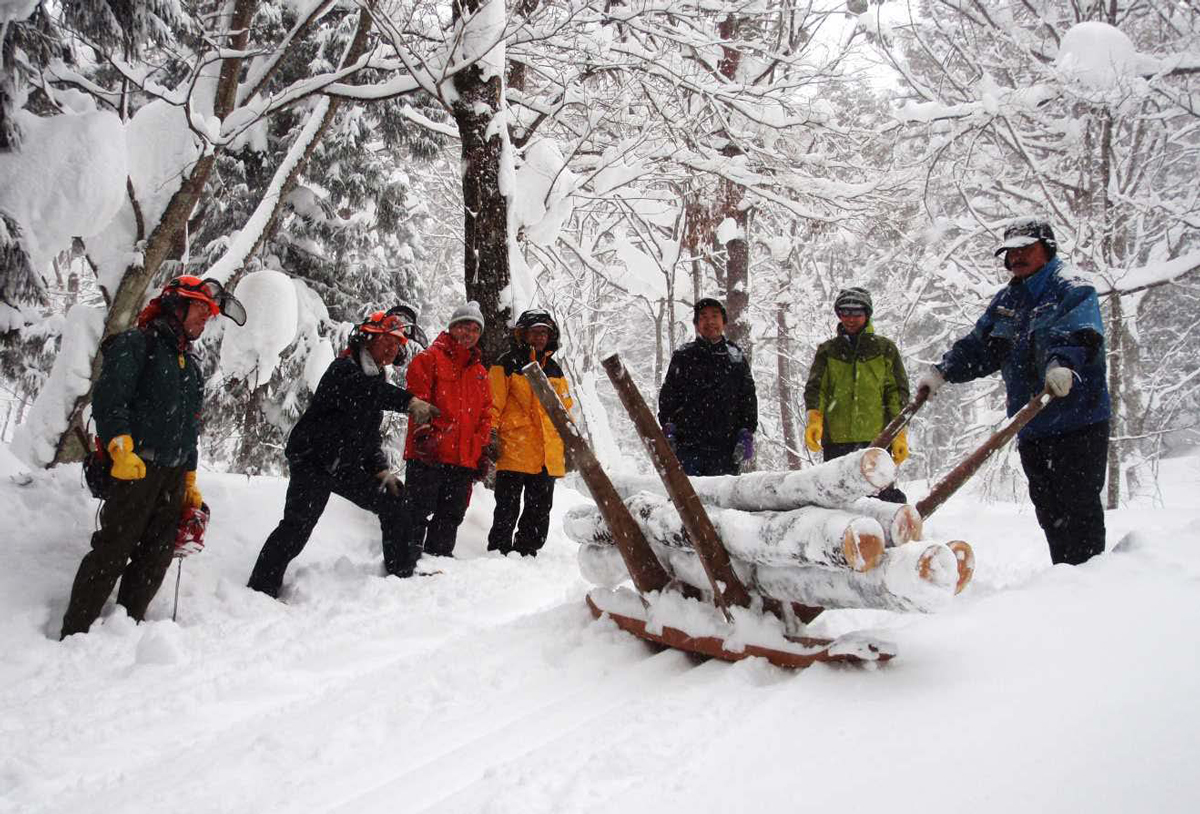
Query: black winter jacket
{"x": 340, "y": 428}
{"x": 708, "y": 395}
{"x": 153, "y": 391}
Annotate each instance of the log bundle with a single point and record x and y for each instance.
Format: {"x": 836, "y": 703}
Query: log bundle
{"x": 812, "y": 537}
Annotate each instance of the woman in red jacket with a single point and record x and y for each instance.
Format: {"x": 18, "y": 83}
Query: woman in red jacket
{"x": 442, "y": 458}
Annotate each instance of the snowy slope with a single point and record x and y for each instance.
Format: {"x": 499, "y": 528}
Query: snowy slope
{"x": 489, "y": 688}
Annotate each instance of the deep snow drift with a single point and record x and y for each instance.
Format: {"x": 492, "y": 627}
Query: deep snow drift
{"x": 489, "y": 688}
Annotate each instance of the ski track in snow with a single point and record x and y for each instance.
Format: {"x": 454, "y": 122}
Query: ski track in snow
{"x": 489, "y": 688}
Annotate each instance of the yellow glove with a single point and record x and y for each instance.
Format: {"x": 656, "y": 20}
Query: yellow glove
{"x": 816, "y": 425}
{"x": 900, "y": 447}
{"x": 125, "y": 464}
{"x": 191, "y": 495}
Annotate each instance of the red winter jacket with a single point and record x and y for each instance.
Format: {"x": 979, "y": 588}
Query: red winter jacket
{"x": 452, "y": 379}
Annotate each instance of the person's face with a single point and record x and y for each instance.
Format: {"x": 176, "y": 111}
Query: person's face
{"x": 383, "y": 348}
{"x": 466, "y": 333}
{"x": 852, "y": 319}
{"x": 709, "y": 323}
{"x": 1026, "y": 260}
{"x": 197, "y": 316}
{"x": 538, "y": 337}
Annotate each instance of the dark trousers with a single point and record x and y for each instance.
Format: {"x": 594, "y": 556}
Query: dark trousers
{"x": 1066, "y": 475}
{"x": 438, "y": 495}
{"x": 701, "y": 461}
{"x": 831, "y": 451}
{"x": 534, "y": 524}
{"x": 135, "y": 543}
{"x": 307, "y": 495}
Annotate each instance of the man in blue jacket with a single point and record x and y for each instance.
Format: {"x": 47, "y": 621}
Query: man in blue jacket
{"x": 1044, "y": 330}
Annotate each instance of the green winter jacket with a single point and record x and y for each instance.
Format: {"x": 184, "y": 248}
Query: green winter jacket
{"x": 153, "y": 391}
{"x": 858, "y": 384}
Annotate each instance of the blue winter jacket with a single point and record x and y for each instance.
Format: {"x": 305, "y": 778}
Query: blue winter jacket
{"x": 1054, "y": 314}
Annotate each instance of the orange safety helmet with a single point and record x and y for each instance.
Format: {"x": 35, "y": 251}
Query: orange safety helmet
{"x": 208, "y": 291}
{"x": 382, "y": 322}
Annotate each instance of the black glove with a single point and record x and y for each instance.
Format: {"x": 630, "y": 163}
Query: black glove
{"x": 492, "y": 450}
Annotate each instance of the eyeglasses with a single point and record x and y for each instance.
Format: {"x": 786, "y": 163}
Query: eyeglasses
{"x": 851, "y": 312}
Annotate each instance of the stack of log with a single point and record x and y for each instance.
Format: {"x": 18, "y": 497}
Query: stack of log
{"x": 813, "y": 537}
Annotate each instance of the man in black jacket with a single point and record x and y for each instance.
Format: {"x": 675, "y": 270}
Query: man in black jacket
{"x": 708, "y": 406}
{"x": 336, "y": 448}
{"x": 147, "y": 405}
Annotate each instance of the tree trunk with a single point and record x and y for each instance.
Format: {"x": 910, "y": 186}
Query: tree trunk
{"x": 485, "y": 209}
{"x": 737, "y": 251}
{"x": 783, "y": 346}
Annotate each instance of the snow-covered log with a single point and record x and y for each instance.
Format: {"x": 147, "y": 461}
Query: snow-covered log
{"x": 901, "y": 522}
{"x": 833, "y": 485}
{"x": 917, "y": 576}
{"x": 829, "y": 538}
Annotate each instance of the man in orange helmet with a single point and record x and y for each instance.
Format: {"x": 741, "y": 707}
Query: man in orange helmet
{"x": 147, "y": 405}
{"x": 336, "y": 448}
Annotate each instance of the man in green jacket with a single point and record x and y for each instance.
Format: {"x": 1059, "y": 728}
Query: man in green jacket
{"x": 856, "y": 385}
{"x": 147, "y": 405}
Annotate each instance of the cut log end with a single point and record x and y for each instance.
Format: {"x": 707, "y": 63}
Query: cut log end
{"x": 965, "y": 557}
{"x": 863, "y": 551}
{"x": 878, "y": 468}
{"x": 907, "y": 525}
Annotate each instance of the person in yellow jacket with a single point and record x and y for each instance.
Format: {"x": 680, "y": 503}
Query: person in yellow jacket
{"x": 528, "y": 449}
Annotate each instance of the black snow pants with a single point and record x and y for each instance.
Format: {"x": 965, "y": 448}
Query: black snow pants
{"x": 702, "y": 461}
{"x": 534, "y": 522}
{"x": 307, "y": 495}
{"x": 135, "y": 543}
{"x": 438, "y": 495}
{"x": 1066, "y": 475}
{"x": 831, "y": 451}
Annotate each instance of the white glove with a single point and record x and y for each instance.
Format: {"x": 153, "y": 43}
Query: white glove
{"x": 389, "y": 481}
{"x": 932, "y": 380}
{"x": 422, "y": 412}
{"x": 1059, "y": 379}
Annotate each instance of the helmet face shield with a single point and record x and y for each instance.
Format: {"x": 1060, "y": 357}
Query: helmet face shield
{"x": 408, "y": 318}
{"x": 211, "y": 292}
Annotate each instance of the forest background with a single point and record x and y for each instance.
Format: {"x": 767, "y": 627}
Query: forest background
{"x": 610, "y": 160}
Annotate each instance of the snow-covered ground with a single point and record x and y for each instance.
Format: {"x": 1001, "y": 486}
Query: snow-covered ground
{"x": 489, "y": 688}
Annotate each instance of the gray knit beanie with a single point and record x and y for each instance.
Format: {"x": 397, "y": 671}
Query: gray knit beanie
{"x": 467, "y": 313}
{"x": 855, "y": 297}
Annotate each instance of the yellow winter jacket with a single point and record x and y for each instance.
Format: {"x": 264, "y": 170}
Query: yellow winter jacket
{"x": 528, "y": 441}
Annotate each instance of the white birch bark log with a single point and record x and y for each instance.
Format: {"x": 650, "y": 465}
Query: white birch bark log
{"x": 917, "y": 576}
{"x": 833, "y": 485}
{"x": 814, "y": 536}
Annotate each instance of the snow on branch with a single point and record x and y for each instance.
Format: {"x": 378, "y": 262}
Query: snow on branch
{"x": 250, "y": 235}
{"x": 1130, "y": 281}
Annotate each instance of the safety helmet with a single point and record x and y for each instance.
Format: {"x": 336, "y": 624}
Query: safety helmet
{"x": 381, "y": 322}
{"x": 408, "y": 316}
{"x": 208, "y": 291}
{"x": 533, "y": 317}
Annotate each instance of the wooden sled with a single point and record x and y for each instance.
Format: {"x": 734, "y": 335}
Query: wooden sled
{"x": 795, "y": 652}
{"x": 727, "y": 621}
